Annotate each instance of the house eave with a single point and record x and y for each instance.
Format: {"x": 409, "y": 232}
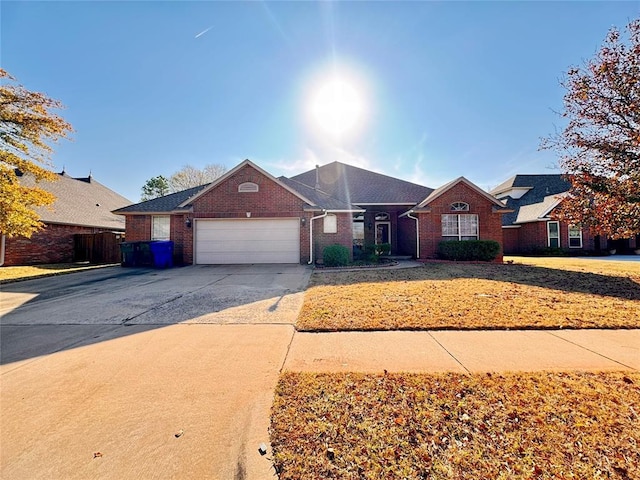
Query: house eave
{"x": 85, "y": 225}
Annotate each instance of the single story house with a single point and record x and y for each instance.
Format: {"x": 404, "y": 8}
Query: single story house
{"x": 82, "y": 206}
{"x": 249, "y": 216}
{"x": 531, "y": 228}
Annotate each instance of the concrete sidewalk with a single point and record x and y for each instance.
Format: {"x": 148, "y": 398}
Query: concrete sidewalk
{"x": 465, "y": 351}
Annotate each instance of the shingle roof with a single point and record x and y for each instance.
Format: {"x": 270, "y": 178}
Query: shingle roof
{"x": 361, "y": 187}
{"x": 79, "y": 201}
{"x": 321, "y": 199}
{"x": 166, "y": 204}
{"x": 541, "y": 186}
{"x": 536, "y": 211}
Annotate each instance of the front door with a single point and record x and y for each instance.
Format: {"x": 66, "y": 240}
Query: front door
{"x": 383, "y": 232}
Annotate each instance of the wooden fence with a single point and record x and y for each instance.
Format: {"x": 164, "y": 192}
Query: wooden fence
{"x": 101, "y": 247}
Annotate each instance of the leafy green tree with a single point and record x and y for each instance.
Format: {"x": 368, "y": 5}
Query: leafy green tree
{"x": 599, "y": 147}
{"x": 28, "y": 127}
{"x": 155, "y": 187}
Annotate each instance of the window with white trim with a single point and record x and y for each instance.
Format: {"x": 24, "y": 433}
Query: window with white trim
{"x": 459, "y": 207}
{"x": 553, "y": 234}
{"x": 248, "y": 187}
{"x": 575, "y": 236}
{"x": 160, "y": 227}
{"x": 330, "y": 224}
{"x": 460, "y": 226}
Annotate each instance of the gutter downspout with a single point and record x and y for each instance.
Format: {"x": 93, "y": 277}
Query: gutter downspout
{"x": 311, "y": 234}
{"x": 2, "y": 245}
{"x": 417, "y": 233}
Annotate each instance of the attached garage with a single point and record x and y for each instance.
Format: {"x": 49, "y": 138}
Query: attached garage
{"x": 259, "y": 240}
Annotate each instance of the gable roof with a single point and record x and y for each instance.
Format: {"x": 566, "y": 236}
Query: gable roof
{"x": 448, "y": 186}
{"x": 221, "y": 179}
{"x": 79, "y": 201}
{"x": 167, "y": 204}
{"x": 542, "y": 191}
{"x": 362, "y": 187}
{"x": 538, "y": 211}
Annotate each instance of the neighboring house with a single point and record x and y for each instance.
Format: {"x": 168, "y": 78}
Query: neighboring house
{"x": 249, "y": 216}
{"x": 531, "y": 227}
{"x": 82, "y": 206}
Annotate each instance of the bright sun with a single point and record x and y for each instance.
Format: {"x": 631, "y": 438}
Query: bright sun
{"x": 336, "y": 106}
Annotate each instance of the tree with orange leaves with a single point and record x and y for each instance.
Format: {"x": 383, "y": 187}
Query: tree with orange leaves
{"x": 28, "y": 127}
{"x": 599, "y": 147}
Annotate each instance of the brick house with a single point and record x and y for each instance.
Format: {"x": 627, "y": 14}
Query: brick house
{"x": 82, "y": 206}
{"x": 531, "y": 228}
{"x": 250, "y": 216}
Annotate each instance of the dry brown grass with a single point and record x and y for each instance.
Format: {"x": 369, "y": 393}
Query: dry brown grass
{"x": 12, "y": 274}
{"x": 546, "y": 293}
{"x": 454, "y": 426}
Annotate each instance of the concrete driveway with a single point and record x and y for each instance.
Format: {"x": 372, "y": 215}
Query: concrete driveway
{"x": 127, "y": 373}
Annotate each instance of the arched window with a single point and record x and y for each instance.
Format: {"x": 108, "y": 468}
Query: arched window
{"x": 382, "y": 216}
{"x": 459, "y": 207}
{"x": 247, "y": 187}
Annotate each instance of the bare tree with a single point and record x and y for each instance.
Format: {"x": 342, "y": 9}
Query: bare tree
{"x": 189, "y": 176}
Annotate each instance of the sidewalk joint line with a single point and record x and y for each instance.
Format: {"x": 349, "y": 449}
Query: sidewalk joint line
{"x": 450, "y": 354}
{"x": 589, "y": 350}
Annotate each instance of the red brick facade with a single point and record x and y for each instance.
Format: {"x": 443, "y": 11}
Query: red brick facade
{"x": 53, "y": 244}
{"x": 225, "y": 201}
{"x": 272, "y": 200}
{"x": 533, "y": 237}
{"x": 489, "y": 221}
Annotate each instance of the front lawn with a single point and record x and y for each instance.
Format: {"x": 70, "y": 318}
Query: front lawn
{"x": 545, "y": 293}
{"x": 27, "y": 272}
{"x": 455, "y": 426}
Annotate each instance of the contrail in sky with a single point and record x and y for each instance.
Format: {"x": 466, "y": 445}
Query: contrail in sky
{"x": 203, "y": 32}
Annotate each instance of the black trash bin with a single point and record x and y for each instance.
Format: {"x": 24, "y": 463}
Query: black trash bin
{"x": 127, "y": 249}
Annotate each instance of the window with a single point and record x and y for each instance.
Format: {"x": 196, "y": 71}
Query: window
{"x": 553, "y": 234}
{"x": 330, "y": 224}
{"x": 460, "y": 227}
{"x": 575, "y": 236}
{"x": 248, "y": 187}
{"x": 382, "y": 216}
{"x": 160, "y": 227}
{"x": 459, "y": 207}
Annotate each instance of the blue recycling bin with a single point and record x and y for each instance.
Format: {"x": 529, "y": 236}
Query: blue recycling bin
{"x": 161, "y": 253}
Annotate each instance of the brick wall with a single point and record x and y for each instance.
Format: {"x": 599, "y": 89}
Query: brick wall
{"x": 511, "y": 240}
{"x": 224, "y": 201}
{"x": 533, "y": 236}
{"x": 53, "y": 244}
{"x": 490, "y": 223}
{"x": 138, "y": 228}
{"x": 343, "y": 236}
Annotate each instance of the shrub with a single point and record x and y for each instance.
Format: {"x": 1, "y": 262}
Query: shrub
{"x": 335, "y": 256}
{"x": 383, "y": 248}
{"x": 482, "y": 250}
{"x": 549, "y": 252}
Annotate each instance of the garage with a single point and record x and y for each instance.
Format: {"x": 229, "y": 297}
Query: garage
{"x": 268, "y": 240}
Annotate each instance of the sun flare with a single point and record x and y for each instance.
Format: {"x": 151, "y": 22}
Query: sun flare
{"x": 336, "y": 106}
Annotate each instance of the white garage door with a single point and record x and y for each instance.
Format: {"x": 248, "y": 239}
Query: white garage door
{"x": 247, "y": 241}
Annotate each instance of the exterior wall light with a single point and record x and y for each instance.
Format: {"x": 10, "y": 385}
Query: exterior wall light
{"x": 303, "y": 221}
{"x": 187, "y": 222}
{"x": 370, "y": 226}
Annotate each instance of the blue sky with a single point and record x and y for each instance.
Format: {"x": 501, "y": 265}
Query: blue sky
{"x": 448, "y": 89}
